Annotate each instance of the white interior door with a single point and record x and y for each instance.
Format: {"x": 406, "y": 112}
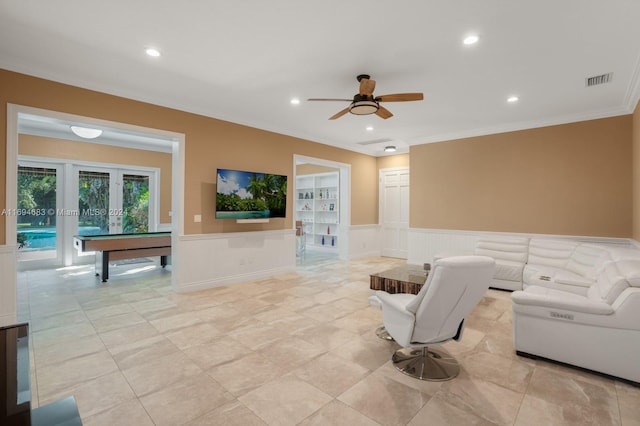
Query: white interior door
{"x": 394, "y": 211}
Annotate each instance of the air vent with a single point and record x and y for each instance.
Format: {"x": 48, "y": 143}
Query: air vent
{"x": 598, "y": 79}
{"x": 375, "y": 141}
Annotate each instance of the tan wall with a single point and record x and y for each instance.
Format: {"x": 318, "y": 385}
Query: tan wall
{"x": 210, "y": 144}
{"x": 391, "y": 161}
{"x": 573, "y": 179}
{"x": 73, "y": 150}
{"x": 310, "y": 169}
{"x": 636, "y": 172}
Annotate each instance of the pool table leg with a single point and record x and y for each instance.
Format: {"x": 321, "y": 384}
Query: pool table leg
{"x": 102, "y": 265}
{"x": 105, "y": 266}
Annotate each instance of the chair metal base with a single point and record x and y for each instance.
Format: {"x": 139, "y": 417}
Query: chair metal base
{"x": 383, "y": 334}
{"x": 426, "y": 364}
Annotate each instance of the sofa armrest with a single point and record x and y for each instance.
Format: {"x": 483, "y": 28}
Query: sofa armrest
{"x": 557, "y": 299}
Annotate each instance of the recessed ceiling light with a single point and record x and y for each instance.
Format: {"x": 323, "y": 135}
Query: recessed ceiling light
{"x": 295, "y": 101}
{"x": 390, "y": 148}
{"x": 512, "y": 99}
{"x": 472, "y": 39}
{"x": 86, "y": 132}
{"x": 369, "y": 128}
{"x": 152, "y": 52}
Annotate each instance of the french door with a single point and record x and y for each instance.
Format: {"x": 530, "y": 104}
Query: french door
{"x": 39, "y": 197}
{"x": 57, "y": 200}
{"x": 113, "y": 201}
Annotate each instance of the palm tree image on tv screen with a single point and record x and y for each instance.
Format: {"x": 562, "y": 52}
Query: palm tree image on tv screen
{"x": 250, "y": 195}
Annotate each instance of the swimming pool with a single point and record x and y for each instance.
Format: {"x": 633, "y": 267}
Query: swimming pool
{"x": 44, "y": 238}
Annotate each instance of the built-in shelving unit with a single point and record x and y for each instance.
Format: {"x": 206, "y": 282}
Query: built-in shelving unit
{"x": 317, "y": 207}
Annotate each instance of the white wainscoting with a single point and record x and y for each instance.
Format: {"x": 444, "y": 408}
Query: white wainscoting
{"x": 213, "y": 260}
{"x": 364, "y": 241}
{"x": 424, "y": 244}
{"x": 8, "y": 285}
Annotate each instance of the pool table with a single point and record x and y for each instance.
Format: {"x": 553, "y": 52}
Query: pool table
{"x": 109, "y": 247}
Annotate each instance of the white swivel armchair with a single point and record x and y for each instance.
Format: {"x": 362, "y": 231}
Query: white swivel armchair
{"x": 435, "y": 315}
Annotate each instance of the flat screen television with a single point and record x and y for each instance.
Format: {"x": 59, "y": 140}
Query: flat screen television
{"x": 250, "y": 195}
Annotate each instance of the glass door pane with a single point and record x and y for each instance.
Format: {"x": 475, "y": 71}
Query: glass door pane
{"x": 36, "y": 213}
{"x": 93, "y": 202}
{"x": 135, "y": 203}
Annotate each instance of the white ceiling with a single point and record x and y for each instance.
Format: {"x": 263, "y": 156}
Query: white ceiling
{"x": 243, "y": 61}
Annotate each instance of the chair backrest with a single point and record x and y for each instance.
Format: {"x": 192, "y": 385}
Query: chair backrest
{"x": 454, "y": 287}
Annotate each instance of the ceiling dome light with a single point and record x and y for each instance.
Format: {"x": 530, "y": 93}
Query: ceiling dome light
{"x": 363, "y": 107}
{"x": 472, "y": 39}
{"x": 369, "y": 128}
{"x": 86, "y": 132}
{"x": 152, "y": 52}
{"x": 390, "y": 148}
{"x": 295, "y": 101}
{"x": 512, "y": 99}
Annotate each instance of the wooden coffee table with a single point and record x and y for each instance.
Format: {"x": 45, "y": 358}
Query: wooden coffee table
{"x": 403, "y": 279}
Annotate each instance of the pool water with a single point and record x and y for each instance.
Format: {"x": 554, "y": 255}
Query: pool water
{"x": 44, "y": 238}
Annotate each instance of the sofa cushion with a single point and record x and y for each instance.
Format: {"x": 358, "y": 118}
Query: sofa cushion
{"x": 556, "y": 278}
{"x": 587, "y": 259}
{"x": 609, "y": 285}
{"x": 514, "y": 249}
{"x": 508, "y": 270}
{"x": 630, "y": 269}
{"x": 555, "y": 253}
{"x": 551, "y": 298}
{"x": 510, "y": 254}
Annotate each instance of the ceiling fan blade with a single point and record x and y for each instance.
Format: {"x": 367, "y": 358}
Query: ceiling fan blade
{"x": 367, "y": 86}
{"x": 330, "y": 99}
{"x": 383, "y": 112}
{"x": 339, "y": 114}
{"x": 400, "y": 97}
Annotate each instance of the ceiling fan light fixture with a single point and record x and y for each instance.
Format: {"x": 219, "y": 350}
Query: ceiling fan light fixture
{"x": 390, "y": 148}
{"x": 363, "y": 107}
{"x": 86, "y": 132}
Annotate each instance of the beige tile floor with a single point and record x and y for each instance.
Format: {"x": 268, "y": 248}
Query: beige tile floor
{"x": 296, "y": 349}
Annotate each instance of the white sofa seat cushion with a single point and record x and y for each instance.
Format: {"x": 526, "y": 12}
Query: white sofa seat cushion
{"x": 556, "y": 278}
{"x": 557, "y": 299}
{"x": 508, "y": 270}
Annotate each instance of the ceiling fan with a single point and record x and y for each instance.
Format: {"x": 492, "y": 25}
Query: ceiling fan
{"x": 364, "y": 103}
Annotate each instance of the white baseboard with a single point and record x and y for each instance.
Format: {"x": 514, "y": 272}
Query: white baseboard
{"x": 239, "y": 278}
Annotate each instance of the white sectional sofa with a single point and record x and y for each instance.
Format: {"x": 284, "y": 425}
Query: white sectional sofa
{"x": 576, "y": 303}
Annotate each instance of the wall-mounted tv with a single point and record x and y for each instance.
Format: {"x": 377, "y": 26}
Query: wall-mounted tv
{"x": 250, "y": 195}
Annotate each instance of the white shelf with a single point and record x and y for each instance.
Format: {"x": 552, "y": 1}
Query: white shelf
{"x": 323, "y": 209}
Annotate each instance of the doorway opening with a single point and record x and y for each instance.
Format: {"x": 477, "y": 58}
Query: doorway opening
{"x": 27, "y": 122}
{"x": 321, "y": 210}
